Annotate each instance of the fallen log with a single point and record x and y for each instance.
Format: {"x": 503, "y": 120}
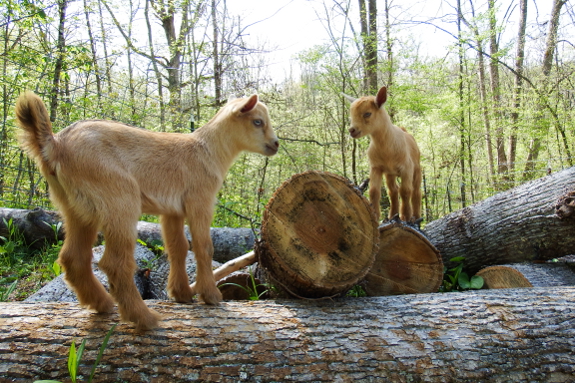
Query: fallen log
{"x": 38, "y": 230}
{"x": 488, "y": 335}
{"x": 532, "y": 222}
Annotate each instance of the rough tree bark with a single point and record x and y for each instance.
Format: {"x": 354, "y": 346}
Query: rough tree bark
{"x": 533, "y": 221}
{"x": 486, "y": 336}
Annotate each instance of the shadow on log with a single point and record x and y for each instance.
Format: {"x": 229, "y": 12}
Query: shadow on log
{"x": 484, "y": 336}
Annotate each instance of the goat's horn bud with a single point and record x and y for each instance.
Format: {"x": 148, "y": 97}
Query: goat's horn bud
{"x": 348, "y": 98}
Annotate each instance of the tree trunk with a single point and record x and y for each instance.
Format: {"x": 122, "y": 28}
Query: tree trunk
{"x": 61, "y": 52}
{"x": 319, "y": 235}
{"x": 530, "y": 222}
{"x": 491, "y": 335}
{"x": 406, "y": 263}
{"x": 518, "y": 85}
{"x": 496, "y": 92}
{"x": 542, "y": 125}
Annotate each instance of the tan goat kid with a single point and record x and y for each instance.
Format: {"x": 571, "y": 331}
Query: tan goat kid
{"x": 103, "y": 175}
{"x": 392, "y": 152}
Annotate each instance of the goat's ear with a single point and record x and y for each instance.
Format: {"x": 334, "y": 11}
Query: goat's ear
{"x": 348, "y": 98}
{"x": 381, "y": 97}
{"x": 250, "y": 103}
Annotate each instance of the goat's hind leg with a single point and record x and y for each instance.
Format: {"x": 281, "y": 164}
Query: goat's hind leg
{"x": 76, "y": 259}
{"x": 177, "y": 249}
{"x": 119, "y": 265}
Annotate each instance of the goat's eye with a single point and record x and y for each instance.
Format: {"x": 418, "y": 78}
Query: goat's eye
{"x": 366, "y": 115}
{"x": 258, "y": 123}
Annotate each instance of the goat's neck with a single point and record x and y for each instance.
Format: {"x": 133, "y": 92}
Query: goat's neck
{"x": 221, "y": 150}
{"x": 382, "y": 132}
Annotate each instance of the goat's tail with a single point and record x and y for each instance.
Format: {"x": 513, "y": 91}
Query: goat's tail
{"x": 36, "y": 136}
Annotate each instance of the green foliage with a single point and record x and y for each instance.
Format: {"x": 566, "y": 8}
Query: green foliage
{"x": 20, "y": 266}
{"x": 455, "y": 279}
{"x": 356, "y": 292}
{"x": 252, "y": 288}
{"x": 75, "y": 357}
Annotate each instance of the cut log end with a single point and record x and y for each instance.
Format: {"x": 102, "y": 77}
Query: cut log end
{"x": 319, "y": 235}
{"x": 503, "y": 277}
{"x": 406, "y": 262}
{"x": 565, "y": 207}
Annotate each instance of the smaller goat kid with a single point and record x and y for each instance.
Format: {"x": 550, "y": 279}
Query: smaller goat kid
{"x": 393, "y": 152}
{"x": 103, "y": 175}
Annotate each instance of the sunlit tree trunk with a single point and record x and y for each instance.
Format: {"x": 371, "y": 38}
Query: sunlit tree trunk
{"x": 496, "y": 92}
{"x": 61, "y": 51}
{"x": 518, "y": 87}
{"x": 216, "y": 57}
{"x": 87, "y": 12}
{"x": 462, "y": 135}
{"x": 157, "y": 72}
{"x": 542, "y": 124}
{"x": 368, "y": 22}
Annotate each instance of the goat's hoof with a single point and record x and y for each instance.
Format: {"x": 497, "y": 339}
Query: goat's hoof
{"x": 185, "y": 295}
{"x": 213, "y": 297}
{"x": 102, "y": 306}
{"x": 148, "y": 321}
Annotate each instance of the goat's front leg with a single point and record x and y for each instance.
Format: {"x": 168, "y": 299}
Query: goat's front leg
{"x": 375, "y": 190}
{"x": 177, "y": 249}
{"x": 393, "y": 189}
{"x": 406, "y": 192}
{"x": 203, "y": 249}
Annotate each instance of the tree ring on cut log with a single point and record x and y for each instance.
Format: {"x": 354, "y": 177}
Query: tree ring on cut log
{"x": 406, "y": 263}
{"x": 319, "y": 235}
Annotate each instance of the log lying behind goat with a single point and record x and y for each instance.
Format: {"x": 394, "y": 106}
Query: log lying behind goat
{"x": 490, "y": 335}
{"x": 36, "y": 227}
{"x": 521, "y": 224}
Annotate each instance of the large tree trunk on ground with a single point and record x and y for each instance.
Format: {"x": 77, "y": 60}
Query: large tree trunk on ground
{"x": 36, "y": 227}
{"x": 319, "y": 235}
{"x": 486, "y": 336}
{"x": 527, "y": 223}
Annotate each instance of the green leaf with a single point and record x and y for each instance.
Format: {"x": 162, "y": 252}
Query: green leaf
{"x": 101, "y": 352}
{"x": 72, "y": 366}
{"x": 457, "y": 259}
{"x": 463, "y": 281}
{"x": 476, "y": 282}
{"x": 56, "y": 268}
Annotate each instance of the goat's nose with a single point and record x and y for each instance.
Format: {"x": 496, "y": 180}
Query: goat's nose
{"x": 352, "y": 130}
{"x": 276, "y": 143}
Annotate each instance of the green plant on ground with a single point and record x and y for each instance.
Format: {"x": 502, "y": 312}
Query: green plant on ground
{"x": 356, "y": 292}
{"x": 23, "y": 270}
{"x": 253, "y": 294}
{"x": 455, "y": 279}
{"x": 74, "y": 358}
{"x": 157, "y": 247}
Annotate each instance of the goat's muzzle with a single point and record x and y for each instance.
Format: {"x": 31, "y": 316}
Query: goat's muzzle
{"x": 272, "y": 148}
{"x": 355, "y": 133}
